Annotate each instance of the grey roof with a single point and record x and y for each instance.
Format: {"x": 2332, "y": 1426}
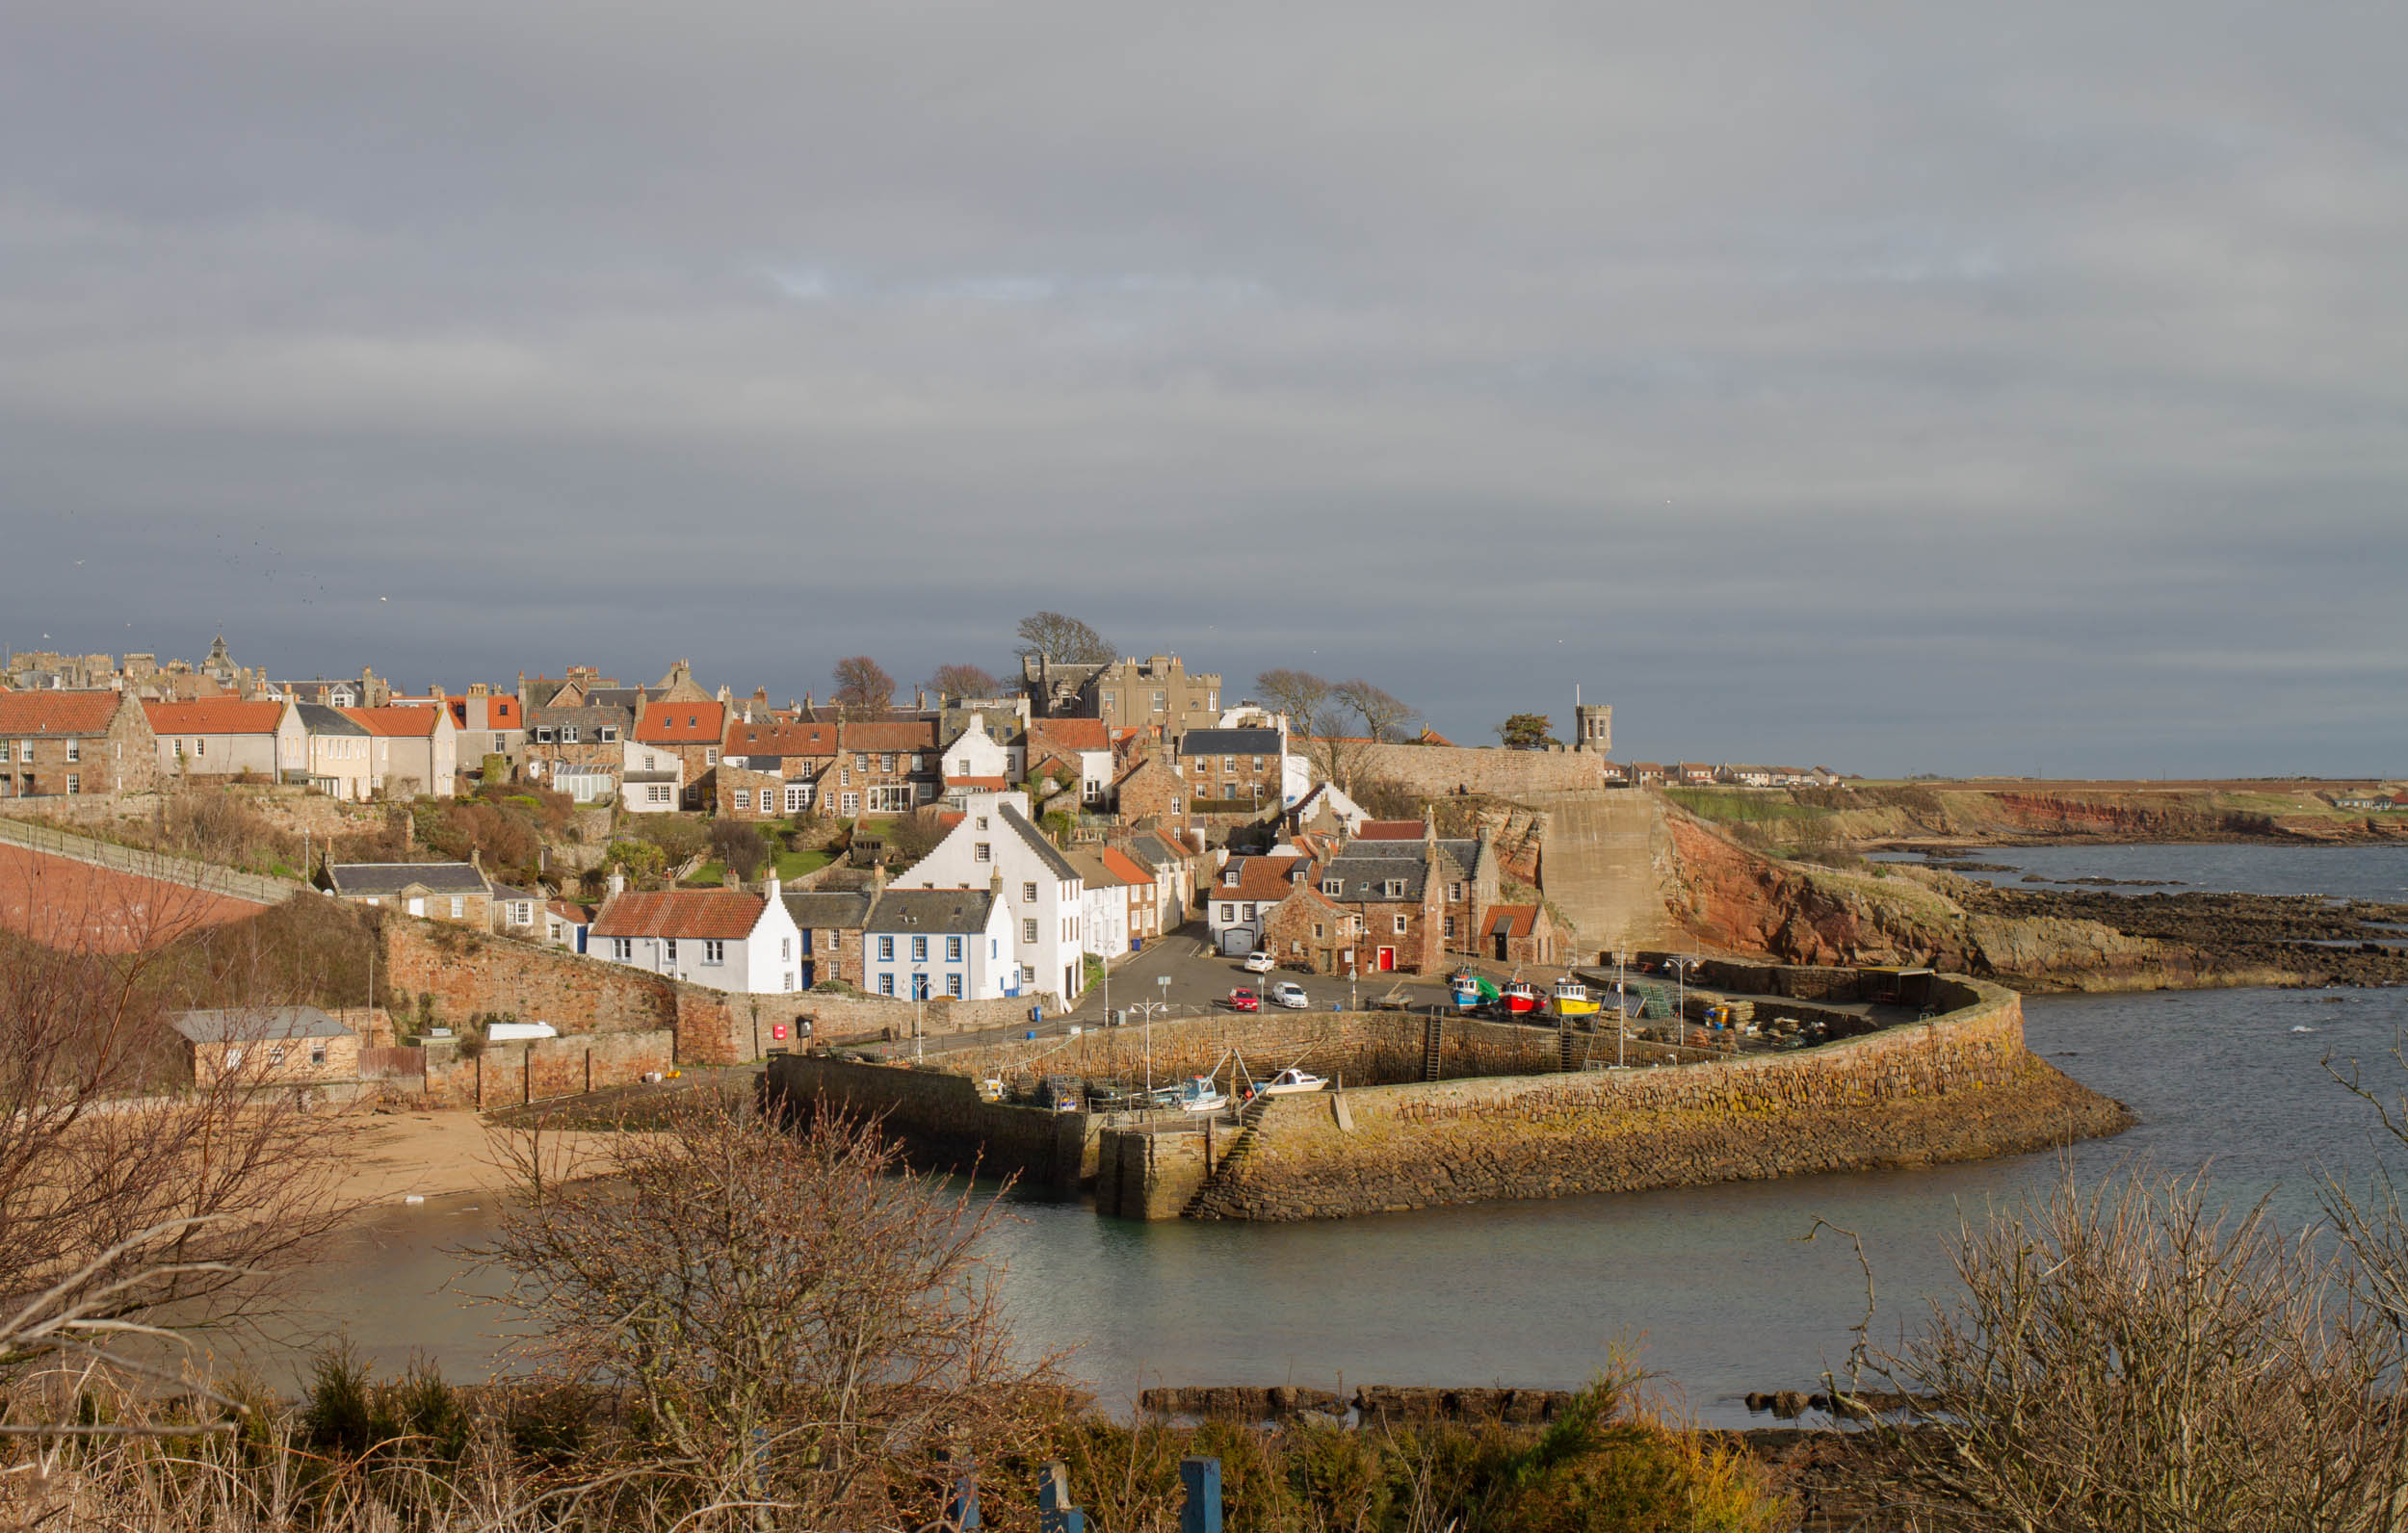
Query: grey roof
{"x": 1046, "y": 852}
{"x": 589, "y": 716}
{"x": 830, "y": 909}
{"x": 628, "y": 699}
{"x": 506, "y": 892}
{"x": 1370, "y": 862}
{"x": 652, "y": 777}
{"x": 249, "y": 1023}
{"x": 944, "y": 911}
{"x": 319, "y": 720}
{"x": 391, "y": 878}
{"x": 1229, "y": 743}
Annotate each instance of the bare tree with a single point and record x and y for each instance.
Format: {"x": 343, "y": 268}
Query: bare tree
{"x": 807, "y": 1327}
{"x": 913, "y": 835}
{"x": 130, "y": 1188}
{"x": 862, "y": 686}
{"x": 2128, "y": 1357}
{"x": 1063, "y": 640}
{"x": 739, "y": 847}
{"x": 1382, "y": 713}
{"x": 963, "y": 680}
{"x": 1300, "y": 694}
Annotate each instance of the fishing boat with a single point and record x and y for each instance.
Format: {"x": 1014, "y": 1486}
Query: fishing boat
{"x": 1291, "y": 1081}
{"x": 1196, "y": 1094}
{"x": 1572, "y": 998}
{"x": 1520, "y": 998}
{"x": 1470, "y": 991}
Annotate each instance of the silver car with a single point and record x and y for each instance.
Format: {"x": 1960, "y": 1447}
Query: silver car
{"x": 1290, "y": 994}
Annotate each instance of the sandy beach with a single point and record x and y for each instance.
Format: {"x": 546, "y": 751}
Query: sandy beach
{"x": 388, "y": 1157}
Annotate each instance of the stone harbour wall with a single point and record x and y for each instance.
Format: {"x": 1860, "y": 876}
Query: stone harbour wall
{"x": 1961, "y": 1086}
{"x": 504, "y": 1074}
{"x": 940, "y": 1116}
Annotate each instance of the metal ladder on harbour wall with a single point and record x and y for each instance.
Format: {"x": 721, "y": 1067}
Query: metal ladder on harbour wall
{"x": 1429, "y": 1047}
{"x": 1567, "y": 1056}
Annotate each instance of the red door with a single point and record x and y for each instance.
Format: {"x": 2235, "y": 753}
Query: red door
{"x": 1387, "y": 958}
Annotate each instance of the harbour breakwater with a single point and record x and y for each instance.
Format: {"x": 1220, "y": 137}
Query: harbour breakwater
{"x": 1959, "y": 1086}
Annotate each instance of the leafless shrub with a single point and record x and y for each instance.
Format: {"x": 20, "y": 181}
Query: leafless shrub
{"x": 2128, "y": 1357}
{"x": 805, "y": 1330}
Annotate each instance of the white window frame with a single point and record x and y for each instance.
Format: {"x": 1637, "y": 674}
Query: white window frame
{"x": 623, "y": 949}
{"x": 713, "y": 950}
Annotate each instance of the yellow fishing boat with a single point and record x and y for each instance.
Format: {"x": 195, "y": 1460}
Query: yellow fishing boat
{"x": 1572, "y": 998}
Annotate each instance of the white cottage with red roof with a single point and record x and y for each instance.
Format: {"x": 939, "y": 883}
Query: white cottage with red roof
{"x": 411, "y": 751}
{"x": 729, "y": 939}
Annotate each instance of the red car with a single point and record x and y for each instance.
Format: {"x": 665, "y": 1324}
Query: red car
{"x": 1244, "y": 1000}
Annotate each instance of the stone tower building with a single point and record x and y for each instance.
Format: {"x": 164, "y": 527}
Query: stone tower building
{"x": 1593, "y": 728}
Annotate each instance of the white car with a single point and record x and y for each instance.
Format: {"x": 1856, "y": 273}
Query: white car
{"x": 1290, "y": 994}
{"x": 1259, "y": 961}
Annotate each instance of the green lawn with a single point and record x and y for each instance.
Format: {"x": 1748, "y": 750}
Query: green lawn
{"x": 791, "y": 865}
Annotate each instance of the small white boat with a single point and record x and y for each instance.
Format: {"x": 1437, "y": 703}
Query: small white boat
{"x": 1291, "y": 1081}
{"x": 1196, "y": 1093}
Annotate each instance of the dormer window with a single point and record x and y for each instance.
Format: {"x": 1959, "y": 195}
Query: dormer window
{"x": 1230, "y": 878}
{"x": 1333, "y": 886}
{"x": 568, "y": 733}
{"x": 1396, "y": 889}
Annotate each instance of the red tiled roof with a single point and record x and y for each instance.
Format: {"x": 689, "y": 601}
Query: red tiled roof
{"x": 397, "y": 723}
{"x": 1071, "y": 734}
{"x": 901, "y": 735}
{"x": 48, "y": 712}
{"x": 695, "y": 913}
{"x": 1125, "y": 866}
{"x": 780, "y": 739}
{"x": 682, "y": 724}
{"x": 500, "y": 712}
{"x": 1258, "y": 878}
{"x": 991, "y": 785}
{"x": 1510, "y": 921}
{"x": 1390, "y": 830}
{"x": 215, "y": 717}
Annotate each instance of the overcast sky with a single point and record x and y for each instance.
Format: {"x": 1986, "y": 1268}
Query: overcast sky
{"x": 1918, "y": 388}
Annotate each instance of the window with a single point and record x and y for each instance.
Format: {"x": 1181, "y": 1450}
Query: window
{"x": 918, "y": 763}
{"x": 1258, "y": 764}
{"x": 669, "y": 950}
{"x": 982, "y": 821}
{"x": 546, "y": 734}
{"x": 1249, "y": 912}
{"x": 744, "y": 798}
{"x": 789, "y": 980}
{"x": 1229, "y": 763}
{"x": 74, "y": 783}
{"x": 953, "y": 986}
{"x": 568, "y": 733}
{"x": 861, "y": 761}
{"x": 460, "y": 907}
{"x": 1157, "y": 702}
{"x": 623, "y": 949}
{"x": 317, "y": 1054}
{"x": 1028, "y": 931}
{"x": 649, "y": 764}
{"x": 1111, "y": 700}
{"x": 962, "y": 767}
{"x": 1230, "y": 878}
{"x": 275, "y": 1055}
{"x": 522, "y": 912}
{"x": 710, "y": 755}
{"x": 1316, "y": 931}
{"x": 886, "y": 761}
{"x": 75, "y": 748}
{"x": 657, "y": 793}
{"x": 1400, "y": 925}
{"x": 919, "y": 950}
{"x": 785, "y": 948}
{"x": 1394, "y": 889}
{"x": 1450, "y": 926}
{"x": 886, "y": 984}
{"x": 1027, "y": 893}
{"x": 797, "y": 798}
{"x": 835, "y": 941}
{"x": 984, "y": 851}
{"x": 607, "y": 733}
{"x": 1454, "y": 894}
{"x": 713, "y": 950}
{"x": 1228, "y": 912}
{"x": 1333, "y": 886}
{"x": 953, "y": 949}
{"x": 886, "y": 951}
{"x": 200, "y": 747}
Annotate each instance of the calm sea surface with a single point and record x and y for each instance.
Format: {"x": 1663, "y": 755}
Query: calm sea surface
{"x": 1717, "y": 1280}
{"x": 2338, "y": 872}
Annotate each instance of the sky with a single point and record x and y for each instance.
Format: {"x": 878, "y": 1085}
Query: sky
{"x": 1898, "y": 387}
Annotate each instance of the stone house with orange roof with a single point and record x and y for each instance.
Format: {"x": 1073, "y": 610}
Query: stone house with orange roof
{"x": 224, "y": 738}
{"x": 789, "y": 759}
{"x": 412, "y": 751}
{"x": 884, "y": 766}
{"x": 691, "y": 730}
{"x": 75, "y": 742}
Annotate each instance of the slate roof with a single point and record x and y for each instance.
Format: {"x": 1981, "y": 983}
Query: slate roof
{"x": 723, "y": 914}
{"x": 1373, "y": 864}
{"x": 1046, "y": 852}
{"x": 946, "y": 912}
{"x": 1229, "y": 743}
{"x": 57, "y": 714}
{"x": 257, "y": 1023}
{"x": 830, "y": 909}
{"x": 319, "y": 720}
{"x": 585, "y": 719}
{"x": 218, "y": 716}
{"x": 629, "y": 698}
{"x": 361, "y": 880}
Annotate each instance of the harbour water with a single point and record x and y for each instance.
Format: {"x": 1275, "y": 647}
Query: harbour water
{"x": 2336, "y": 872}
{"x": 1716, "y": 1282}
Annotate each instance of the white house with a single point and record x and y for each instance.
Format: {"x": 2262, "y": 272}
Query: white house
{"x": 977, "y": 761}
{"x": 652, "y": 779}
{"x": 1043, "y": 893}
{"x": 412, "y": 751}
{"x": 724, "y": 938}
{"x": 937, "y": 944}
{"x": 1242, "y": 895}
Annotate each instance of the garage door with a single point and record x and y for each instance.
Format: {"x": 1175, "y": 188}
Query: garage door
{"x": 1237, "y": 939}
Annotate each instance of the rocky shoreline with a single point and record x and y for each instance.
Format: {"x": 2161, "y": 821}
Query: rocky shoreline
{"x": 2308, "y": 940}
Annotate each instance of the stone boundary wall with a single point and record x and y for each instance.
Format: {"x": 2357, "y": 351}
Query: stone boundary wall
{"x": 186, "y": 872}
{"x": 467, "y": 972}
{"x": 1961, "y": 1086}
{"x": 1357, "y": 1047}
{"x": 509, "y": 1075}
{"x": 1437, "y": 771}
{"x": 940, "y": 1116}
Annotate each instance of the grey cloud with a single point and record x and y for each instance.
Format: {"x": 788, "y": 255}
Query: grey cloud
{"x": 1893, "y": 386}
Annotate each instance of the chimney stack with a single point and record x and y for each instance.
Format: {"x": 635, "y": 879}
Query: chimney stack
{"x": 617, "y": 884}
